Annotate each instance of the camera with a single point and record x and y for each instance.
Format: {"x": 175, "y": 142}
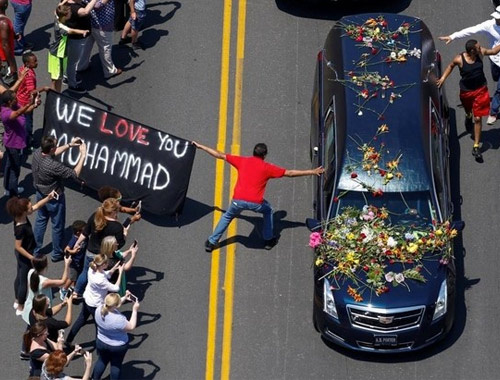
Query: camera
{"x": 60, "y": 334}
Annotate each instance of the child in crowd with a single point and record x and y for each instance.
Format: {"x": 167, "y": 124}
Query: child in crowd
{"x": 78, "y": 255}
{"x": 134, "y": 24}
{"x": 26, "y": 90}
{"x": 58, "y": 57}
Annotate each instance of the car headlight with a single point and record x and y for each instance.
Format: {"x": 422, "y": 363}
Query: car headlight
{"x": 442, "y": 302}
{"x": 328, "y": 300}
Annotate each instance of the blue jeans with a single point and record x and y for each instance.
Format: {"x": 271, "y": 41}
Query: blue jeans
{"x": 12, "y": 170}
{"x": 81, "y": 283}
{"x": 21, "y": 15}
{"x": 235, "y": 208}
{"x": 28, "y": 117}
{"x": 56, "y": 211}
{"x": 109, "y": 354}
{"x": 495, "y": 100}
{"x": 83, "y": 317}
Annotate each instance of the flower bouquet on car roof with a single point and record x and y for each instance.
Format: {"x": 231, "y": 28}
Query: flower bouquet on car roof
{"x": 358, "y": 247}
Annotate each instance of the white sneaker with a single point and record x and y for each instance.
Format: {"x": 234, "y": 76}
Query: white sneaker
{"x": 491, "y": 119}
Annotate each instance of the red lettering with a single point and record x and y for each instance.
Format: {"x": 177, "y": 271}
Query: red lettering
{"x": 131, "y": 134}
{"x": 122, "y": 124}
{"x": 102, "y": 128}
{"x": 141, "y": 136}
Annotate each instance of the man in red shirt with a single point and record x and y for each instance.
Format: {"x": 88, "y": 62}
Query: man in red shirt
{"x": 253, "y": 174}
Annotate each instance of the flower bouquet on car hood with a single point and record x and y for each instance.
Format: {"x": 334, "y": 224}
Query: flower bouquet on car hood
{"x": 360, "y": 247}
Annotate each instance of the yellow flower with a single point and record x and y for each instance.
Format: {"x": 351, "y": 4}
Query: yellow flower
{"x": 351, "y": 258}
{"x": 319, "y": 261}
{"x": 350, "y": 236}
{"x": 389, "y": 176}
{"x": 412, "y": 248}
{"x": 453, "y": 233}
{"x": 439, "y": 232}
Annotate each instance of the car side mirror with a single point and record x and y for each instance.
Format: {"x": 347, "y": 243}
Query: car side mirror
{"x": 313, "y": 224}
{"x": 458, "y": 225}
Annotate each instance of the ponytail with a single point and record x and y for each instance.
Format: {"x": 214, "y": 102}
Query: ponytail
{"x": 108, "y": 207}
{"x": 111, "y": 300}
{"x": 34, "y": 331}
{"x": 39, "y": 264}
{"x": 98, "y": 261}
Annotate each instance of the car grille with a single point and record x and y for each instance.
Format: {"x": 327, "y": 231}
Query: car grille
{"x": 385, "y": 319}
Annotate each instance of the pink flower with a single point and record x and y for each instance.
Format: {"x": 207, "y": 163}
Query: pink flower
{"x": 315, "y": 239}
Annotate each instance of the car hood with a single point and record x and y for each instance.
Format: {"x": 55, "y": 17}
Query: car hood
{"x": 411, "y": 293}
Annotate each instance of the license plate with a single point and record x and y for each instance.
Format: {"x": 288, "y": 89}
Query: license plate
{"x": 386, "y": 340}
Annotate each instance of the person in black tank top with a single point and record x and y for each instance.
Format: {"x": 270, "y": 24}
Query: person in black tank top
{"x": 474, "y": 93}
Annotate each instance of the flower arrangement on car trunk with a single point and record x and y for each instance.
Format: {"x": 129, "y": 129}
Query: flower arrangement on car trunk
{"x": 360, "y": 245}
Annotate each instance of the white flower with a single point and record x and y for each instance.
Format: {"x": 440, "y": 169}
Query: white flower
{"x": 393, "y": 55}
{"x": 389, "y": 277}
{"x": 399, "y": 278}
{"x": 416, "y": 53}
{"x": 367, "y": 39}
{"x": 368, "y": 232}
{"x": 360, "y": 113}
{"x": 391, "y": 242}
{"x": 402, "y": 52}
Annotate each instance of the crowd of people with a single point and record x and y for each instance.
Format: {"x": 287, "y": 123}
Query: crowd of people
{"x": 94, "y": 264}
{"x": 474, "y": 94}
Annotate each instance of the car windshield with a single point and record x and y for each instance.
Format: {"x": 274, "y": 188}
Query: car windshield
{"x": 409, "y": 208}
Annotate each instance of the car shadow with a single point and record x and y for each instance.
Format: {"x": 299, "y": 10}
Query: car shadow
{"x": 329, "y": 10}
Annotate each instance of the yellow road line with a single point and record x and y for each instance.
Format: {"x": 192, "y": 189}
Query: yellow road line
{"x": 219, "y": 182}
{"x": 235, "y": 149}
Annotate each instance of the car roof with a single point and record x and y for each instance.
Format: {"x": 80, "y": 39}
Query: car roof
{"x": 407, "y": 118}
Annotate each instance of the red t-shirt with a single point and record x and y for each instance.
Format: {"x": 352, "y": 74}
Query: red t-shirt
{"x": 26, "y": 86}
{"x": 253, "y": 174}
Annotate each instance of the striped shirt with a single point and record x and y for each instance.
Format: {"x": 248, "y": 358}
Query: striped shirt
{"x": 26, "y": 86}
{"x": 49, "y": 173}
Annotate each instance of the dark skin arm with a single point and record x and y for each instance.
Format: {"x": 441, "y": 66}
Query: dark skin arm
{"x": 4, "y": 34}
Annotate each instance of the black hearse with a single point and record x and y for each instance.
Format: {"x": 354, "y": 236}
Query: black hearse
{"x": 374, "y": 96}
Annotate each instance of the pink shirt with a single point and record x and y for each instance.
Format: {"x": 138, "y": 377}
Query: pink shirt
{"x": 15, "y": 131}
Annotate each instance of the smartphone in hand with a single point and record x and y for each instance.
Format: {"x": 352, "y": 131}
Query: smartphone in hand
{"x": 135, "y": 243}
{"x": 132, "y": 298}
{"x": 127, "y": 221}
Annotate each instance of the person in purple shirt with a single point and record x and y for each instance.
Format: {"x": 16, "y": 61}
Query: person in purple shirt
{"x": 14, "y": 139}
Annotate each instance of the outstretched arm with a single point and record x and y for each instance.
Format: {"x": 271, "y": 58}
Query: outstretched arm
{"x": 299, "y": 173}
{"x": 210, "y": 151}
{"x": 448, "y": 70}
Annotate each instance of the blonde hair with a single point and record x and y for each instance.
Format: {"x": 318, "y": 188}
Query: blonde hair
{"x": 108, "y": 246}
{"x": 99, "y": 260}
{"x": 111, "y": 300}
{"x": 108, "y": 207}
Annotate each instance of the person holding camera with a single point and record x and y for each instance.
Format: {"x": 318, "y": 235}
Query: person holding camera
{"x": 96, "y": 290}
{"x": 109, "y": 247}
{"x": 42, "y": 312}
{"x": 19, "y": 209}
{"x": 13, "y": 116}
{"x": 39, "y": 346}
{"x": 112, "y": 334}
{"x": 104, "y": 222}
{"x": 53, "y": 367}
{"x": 48, "y": 175}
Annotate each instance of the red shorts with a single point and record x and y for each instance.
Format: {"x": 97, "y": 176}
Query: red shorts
{"x": 477, "y": 101}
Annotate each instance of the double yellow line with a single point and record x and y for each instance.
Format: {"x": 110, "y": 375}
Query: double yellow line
{"x": 218, "y": 196}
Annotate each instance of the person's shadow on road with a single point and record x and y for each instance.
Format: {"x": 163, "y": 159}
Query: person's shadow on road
{"x": 139, "y": 369}
{"x": 255, "y": 240}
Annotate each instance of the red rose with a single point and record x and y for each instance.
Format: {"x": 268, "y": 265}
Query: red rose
{"x": 336, "y": 199}
{"x": 382, "y": 172}
{"x": 395, "y": 36}
{"x": 391, "y": 261}
{"x": 374, "y": 51}
{"x": 366, "y": 268}
{"x": 359, "y": 38}
{"x": 354, "y": 175}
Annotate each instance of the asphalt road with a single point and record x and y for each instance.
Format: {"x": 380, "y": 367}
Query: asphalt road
{"x": 259, "y": 325}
